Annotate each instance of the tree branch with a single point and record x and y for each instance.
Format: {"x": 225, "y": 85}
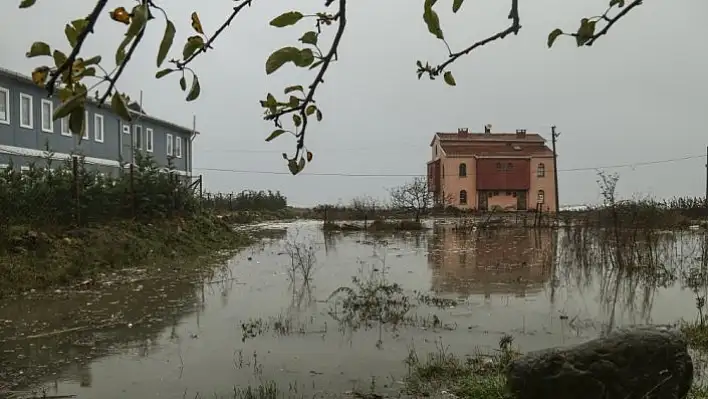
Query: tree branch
{"x": 234, "y": 13}
{"x": 69, "y": 63}
{"x": 612, "y": 21}
{"x": 513, "y": 28}
{"x": 114, "y": 79}
{"x": 341, "y": 17}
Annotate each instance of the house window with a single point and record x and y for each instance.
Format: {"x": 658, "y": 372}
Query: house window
{"x": 65, "y": 131}
{"x": 98, "y": 128}
{"x": 541, "y": 170}
{"x": 463, "y": 170}
{"x": 47, "y": 111}
{"x": 4, "y": 106}
{"x": 138, "y": 137}
{"x": 540, "y": 197}
{"x": 178, "y": 147}
{"x": 26, "y": 114}
{"x": 168, "y": 145}
{"x": 499, "y": 166}
{"x": 85, "y": 128}
{"x": 463, "y": 197}
{"x": 149, "y": 140}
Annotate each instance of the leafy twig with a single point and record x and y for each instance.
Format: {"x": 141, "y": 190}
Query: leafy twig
{"x": 91, "y": 19}
{"x": 612, "y": 21}
{"x": 234, "y": 13}
{"x": 513, "y": 28}
{"x": 341, "y": 17}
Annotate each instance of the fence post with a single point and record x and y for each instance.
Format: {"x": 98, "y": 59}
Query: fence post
{"x": 77, "y": 188}
{"x": 132, "y": 190}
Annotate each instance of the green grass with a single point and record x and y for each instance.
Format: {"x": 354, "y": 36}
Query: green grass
{"x": 61, "y": 256}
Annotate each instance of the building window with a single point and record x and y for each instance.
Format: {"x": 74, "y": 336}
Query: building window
{"x": 499, "y": 166}
{"x": 4, "y": 106}
{"x": 47, "y": 111}
{"x": 138, "y": 137}
{"x": 26, "y": 114}
{"x": 463, "y": 170}
{"x": 149, "y": 140}
{"x": 65, "y": 131}
{"x": 435, "y": 150}
{"x": 178, "y": 147}
{"x": 541, "y": 170}
{"x": 168, "y": 145}
{"x": 509, "y": 166}
{"x": 463, "y": 197}
{"x": 540, "y": 197}
{"x": 98, "y": 128}
{"x": 86, "y": 134}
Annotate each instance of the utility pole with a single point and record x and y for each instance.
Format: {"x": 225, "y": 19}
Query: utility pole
{"x": 554, "y": 136}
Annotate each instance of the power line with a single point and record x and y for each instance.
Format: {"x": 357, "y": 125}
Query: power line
{"x": 263, "y": 172}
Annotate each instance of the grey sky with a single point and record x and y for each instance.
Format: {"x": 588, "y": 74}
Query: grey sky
{"x": 639, "y": 94}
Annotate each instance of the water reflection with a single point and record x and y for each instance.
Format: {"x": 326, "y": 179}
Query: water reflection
{"x": 491, "y": 261}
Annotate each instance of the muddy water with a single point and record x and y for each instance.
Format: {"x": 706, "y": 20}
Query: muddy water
{"x": 176, "y": 337}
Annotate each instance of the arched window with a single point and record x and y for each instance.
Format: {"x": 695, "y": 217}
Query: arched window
{"x": 541, "y": 170}
{"x": 463, "y": 170}
{"x": 463, "y": 197}
{"x": 499, "y": 166}
{"x": 540, "y": 197}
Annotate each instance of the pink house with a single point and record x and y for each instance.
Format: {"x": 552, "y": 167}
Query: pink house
{"x": 484, "y": 171}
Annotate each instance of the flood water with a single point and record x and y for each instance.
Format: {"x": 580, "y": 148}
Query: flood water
{"x": 177, "y": 338}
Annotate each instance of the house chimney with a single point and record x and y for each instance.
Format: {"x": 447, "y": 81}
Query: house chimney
{"x": 462, "y": 132}
{"x": 488, "y": 129}
{"x": 521, "y": 133}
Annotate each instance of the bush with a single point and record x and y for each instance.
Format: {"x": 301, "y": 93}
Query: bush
{"x": 74, "y": 194}
{"x": 247, "y": 200}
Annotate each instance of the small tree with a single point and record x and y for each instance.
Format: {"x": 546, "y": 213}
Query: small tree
{"x": 413, "y": 197}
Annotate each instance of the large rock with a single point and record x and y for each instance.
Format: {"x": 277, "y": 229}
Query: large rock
{"x": 641, "y": 363}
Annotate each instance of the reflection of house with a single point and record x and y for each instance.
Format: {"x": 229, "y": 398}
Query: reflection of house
{"x": 490, "y": 261}
{"x": 492, "y": 170}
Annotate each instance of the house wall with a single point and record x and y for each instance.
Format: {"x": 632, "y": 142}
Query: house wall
{"x": 22, "y": 144}
{"x": 453, "y": 183}
{"x": 545, "y": 183}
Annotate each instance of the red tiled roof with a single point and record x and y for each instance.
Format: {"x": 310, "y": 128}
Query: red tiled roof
{"x": 495, "y": 150}
{"x": 534, "y": 137}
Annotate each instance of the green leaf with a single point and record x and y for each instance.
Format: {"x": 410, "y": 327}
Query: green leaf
{"x": 195, "y": 90}
{"x": 279, "y": 57}
{"x": 585, "y": 32}
{"x": 293, "y": 102}
{"x": 309, "y": 38}
{"x": 80, "y": 24}
{"x": 88, "y": 72}
{"x": 183, "y": 83}
{"x": 167, "y": 39}
{"x": 27, "y": 3}
{"x": 618, "y": 3}
{"x": 291, "y": 89}
{"x": 318, "y": 114}
{"x": 456, "y": 4}
{"x": 193, "y": 44}
{"x": 306, "y": 58}
{"x": 286, "y": 19}
{"x": 93, "y": 61}
{"x": 553, "y": 36}
{"x": 118, "y": 106}
{"x": 285, "y": 156}
{"x": 120, "y": 52}
{"x": 68, "y": 106}
{"x": 301, "y": 165}
{"x": 38, "y": 49}
{"x": 316, "y": 64}
{"x": 292, "y": 165}
{"x": 72, "y": 36}
{"x": 310, "y": 110}
{"x": 449, "y": 79}
{"x": 76, "y": 120}
{"x": 297, "y": 120}
{"x": 274, "y": 134}
{"x": 433, "y": 22}
{"x": 59, "y": 58}
{"x": 164, "y": 72}
{"x": 137, "y": 23}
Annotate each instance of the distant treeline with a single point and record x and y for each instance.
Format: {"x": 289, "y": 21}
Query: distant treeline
{"x": 246, "y": 200}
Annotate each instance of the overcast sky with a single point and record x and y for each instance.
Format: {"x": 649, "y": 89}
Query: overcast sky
{"x": 638, "y": 95}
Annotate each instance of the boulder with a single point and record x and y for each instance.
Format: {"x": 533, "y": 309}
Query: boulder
{"x": 644, "y": 362}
